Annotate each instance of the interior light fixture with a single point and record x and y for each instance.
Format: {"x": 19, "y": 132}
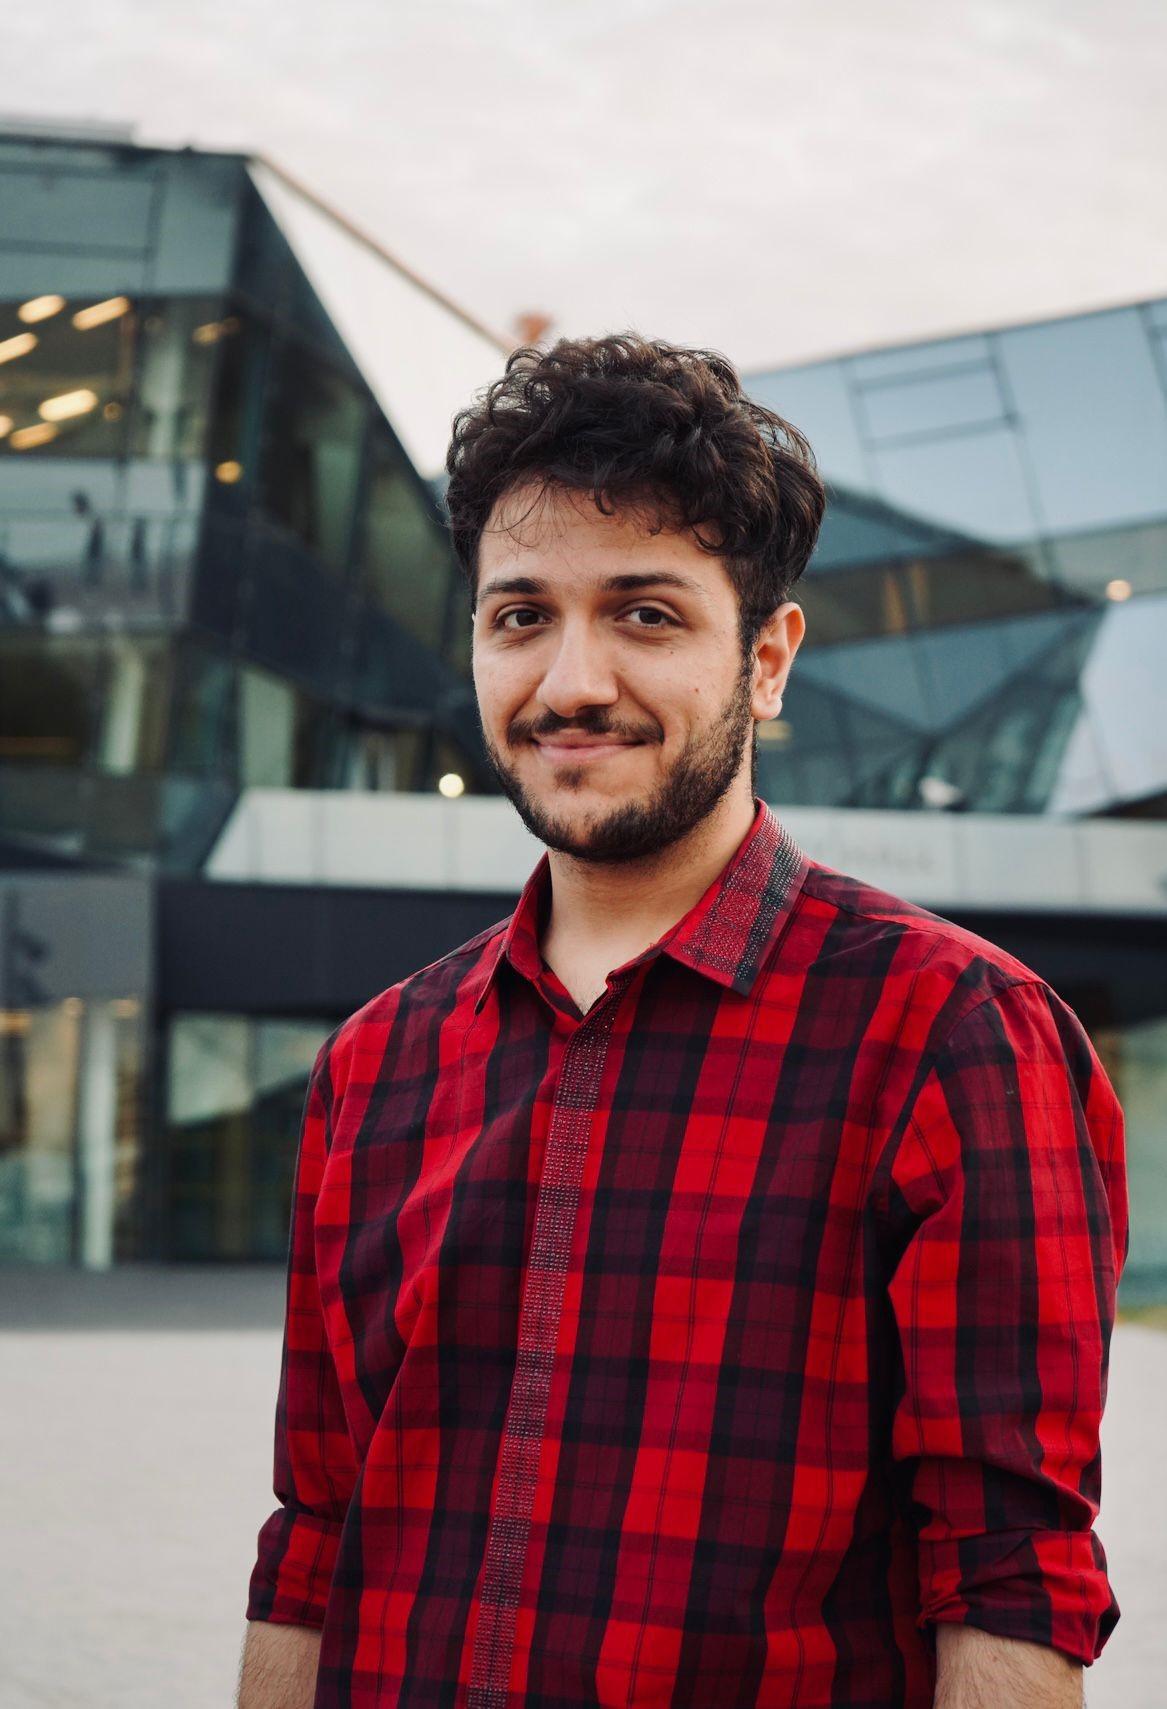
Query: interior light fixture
{"x": 229, "y": 472}
{"x": 39, "y": 308}
{"x": 451, "y": 785}
{"x": 5, "y": 426}
{"x": 26, "y": 438}
{"x": 98, "y": 313}
{"x": 213, "y": 330}
{"x": 68, "y": 404}
{"x": 20, "y": 345}
{"x": 1119, "y": 588}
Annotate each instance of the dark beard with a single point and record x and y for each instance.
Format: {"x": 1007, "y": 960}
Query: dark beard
{"x": 699, "y": 779}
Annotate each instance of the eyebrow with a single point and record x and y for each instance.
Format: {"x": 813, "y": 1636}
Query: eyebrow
{"x": 631, "y": 582}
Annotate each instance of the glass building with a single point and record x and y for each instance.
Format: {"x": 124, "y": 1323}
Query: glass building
{"x": 990, "y": 588}
{"x": 235, "y": 700}
{"x": 223, "y": 567}
{"x": 219, "y": 566}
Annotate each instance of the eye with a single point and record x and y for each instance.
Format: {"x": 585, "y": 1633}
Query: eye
{"x": 654, "y": 611}
{"x": 500, "y": 622}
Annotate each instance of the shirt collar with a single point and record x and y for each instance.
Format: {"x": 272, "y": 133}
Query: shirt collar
{"x": 726, "y": 935}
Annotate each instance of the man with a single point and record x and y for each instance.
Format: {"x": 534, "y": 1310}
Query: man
{"x": 701, "y": 1282}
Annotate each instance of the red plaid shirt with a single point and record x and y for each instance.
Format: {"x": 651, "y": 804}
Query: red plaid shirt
{"x": 706, "y": 1348}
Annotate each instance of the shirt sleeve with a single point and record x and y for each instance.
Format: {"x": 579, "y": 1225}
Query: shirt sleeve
{"x": 315, "y": 1464}
{"x": 1007, "y": 1193}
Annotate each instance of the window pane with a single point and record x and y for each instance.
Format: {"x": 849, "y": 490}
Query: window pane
{"x": 284, "y": 1054}
{"x": 66, "y": 387}
{"x": 965, "y": 397}
{"x": 49, "y": 698}
{"x": 39, "y": 1055}
{"x": 175, "y": 361}
{"x": 314, "y": 424}
{"x": 1094, "y": 417}
{"x": 209, "y": 1097}
{"x": 406, "y": 562}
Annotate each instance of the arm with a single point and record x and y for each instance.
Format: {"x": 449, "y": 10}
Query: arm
{"x": 1006, "y": 1221}
{"x": 976, "y": 1670}
{"x": 279, "y": 1667}
{"x": 315, "y": 1463}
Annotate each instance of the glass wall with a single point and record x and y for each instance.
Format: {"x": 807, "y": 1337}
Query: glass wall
{"x": 71, "y": 1132}
{"x": 1135, "y": 1058}
{"x": 217, "y": 567}
{"x": 995, "y": 542}
{"x": 235, "y": 1088}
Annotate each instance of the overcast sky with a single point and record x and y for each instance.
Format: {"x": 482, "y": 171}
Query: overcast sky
{"x": 780, "y": 181}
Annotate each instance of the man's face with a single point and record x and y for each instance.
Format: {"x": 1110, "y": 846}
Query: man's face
{"x": 616, "y": 707}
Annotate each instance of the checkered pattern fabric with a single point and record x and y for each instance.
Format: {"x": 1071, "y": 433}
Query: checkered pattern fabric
{"x": 711, "y": 1346}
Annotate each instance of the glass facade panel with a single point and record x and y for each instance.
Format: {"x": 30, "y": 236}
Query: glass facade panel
{"x": 1094, "y": 419}
{"x": 120, "y": 377}
{"x": 175, "y": 365}
{"x": 311, "y": 452}
{"x": 49, "y": 705}
{"x": 1135, "y": 1058}
{"x": 937, "y": 355}
{"x": 964, "y": 397}
{"x": 40, "y": 1050}
{"x": 236, "y": 1087}
{"x": 202, "y": 714}
{"x": 405, "y": 563}
{"x": 973, "y": 482}
{"x": 100, "y": 209}
{"x": 70, "y": 1132}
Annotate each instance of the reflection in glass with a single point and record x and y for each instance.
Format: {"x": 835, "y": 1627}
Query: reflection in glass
{"x": 39, "y": 1059}
{"x": 310, "y": 462}
{"x": 1135, "y": 1058}
{"x": 236, "y": 1088}
{"x": 49, "y": 707}
{"x": 405, "y": 561}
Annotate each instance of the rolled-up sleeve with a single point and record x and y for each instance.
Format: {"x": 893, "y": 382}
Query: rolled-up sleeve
{"x": 1007, "y": 1192}
{"x": 315, "y": 1465}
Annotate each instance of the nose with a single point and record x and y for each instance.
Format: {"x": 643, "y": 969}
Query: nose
{"x": 579, "y": 674}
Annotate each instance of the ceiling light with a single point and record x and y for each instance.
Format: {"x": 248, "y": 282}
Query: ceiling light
{"x": 213, "y": 330}
{"x": 40, "y": 308}
{"x": 451, "y": 785}
{"x": 228, "y": 472}
{"x": 25, "y": 438}
{"x": 98, "y": 313}
{"x": 939, "y": 792}
{"x": 67, "y": 404}
{"x": 11, "y": 348}
{"x": 1119, "y": 588}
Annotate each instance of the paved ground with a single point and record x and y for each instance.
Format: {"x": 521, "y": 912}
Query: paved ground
{"x": 135, "y": 1468}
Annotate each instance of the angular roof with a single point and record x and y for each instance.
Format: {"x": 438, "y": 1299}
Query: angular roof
{"x": 422, "y": 356}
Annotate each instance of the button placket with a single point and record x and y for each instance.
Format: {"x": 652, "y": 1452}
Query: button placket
{"x": 556, "y": 1211}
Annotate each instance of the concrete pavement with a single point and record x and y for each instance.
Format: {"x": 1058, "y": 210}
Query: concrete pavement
{"x": 135, "y": 1471}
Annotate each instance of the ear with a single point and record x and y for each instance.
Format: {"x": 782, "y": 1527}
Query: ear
{"x": 774, "y": 652}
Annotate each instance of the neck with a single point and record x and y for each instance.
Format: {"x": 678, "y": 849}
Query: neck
{"x": 635, "y": 902}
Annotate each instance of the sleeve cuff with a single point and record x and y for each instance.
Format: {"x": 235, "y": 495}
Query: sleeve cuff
{"x": 1047, "y": 1587}
{"x": 293, "y": 1569}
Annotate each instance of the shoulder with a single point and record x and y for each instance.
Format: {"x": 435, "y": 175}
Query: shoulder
{"x": 428, "y": 991}
{"x": 922, "y": 959}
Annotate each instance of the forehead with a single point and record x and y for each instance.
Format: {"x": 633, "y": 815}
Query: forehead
{"x": 563, "y": 537}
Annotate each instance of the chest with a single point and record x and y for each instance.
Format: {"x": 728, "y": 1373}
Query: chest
{"x": 671, "y": 1140}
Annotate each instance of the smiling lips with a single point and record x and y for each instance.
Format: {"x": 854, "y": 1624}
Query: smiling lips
{"x": 578, "y": 748}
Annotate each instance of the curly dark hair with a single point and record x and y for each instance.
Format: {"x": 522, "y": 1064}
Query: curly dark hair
{"x": 650, "y": 426}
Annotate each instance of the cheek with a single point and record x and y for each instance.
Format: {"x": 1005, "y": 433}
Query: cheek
{"x": 501, "y": 689}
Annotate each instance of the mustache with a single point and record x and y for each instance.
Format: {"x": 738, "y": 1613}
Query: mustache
{"x": 545, "y": 731}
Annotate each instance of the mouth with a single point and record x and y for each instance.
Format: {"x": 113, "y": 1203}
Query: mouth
{"x": 577, "y": 752}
